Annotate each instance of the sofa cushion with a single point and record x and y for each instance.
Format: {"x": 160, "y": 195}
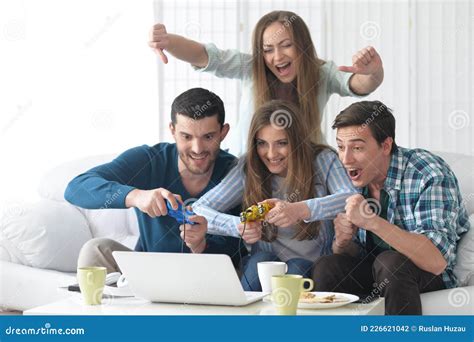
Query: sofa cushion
{"x": 118, "y": 224}
{"x": 464, "y": 269}
{"x": 54, "y": 182}
{"x": 463, "y": 167}
{"x": 46, "y": 234}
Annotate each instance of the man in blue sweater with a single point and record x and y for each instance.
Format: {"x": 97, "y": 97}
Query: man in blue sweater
{"x": 146, "y": 177}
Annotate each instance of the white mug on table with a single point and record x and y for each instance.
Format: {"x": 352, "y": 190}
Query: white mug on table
{"x": 267, "y": 269}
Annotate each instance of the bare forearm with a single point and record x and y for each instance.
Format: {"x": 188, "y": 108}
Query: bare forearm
{"x": 365, "y": 84}
{"x": 351, "y": 248}
{"x": 187, "y": 50}
{"x": 417, "y": 247}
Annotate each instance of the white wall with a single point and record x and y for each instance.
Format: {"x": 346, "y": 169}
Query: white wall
{"x": 76, "y": 78}
{"x": 426, "y": 48}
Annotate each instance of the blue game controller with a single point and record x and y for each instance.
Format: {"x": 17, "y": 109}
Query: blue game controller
{"x": 180, "y": 215}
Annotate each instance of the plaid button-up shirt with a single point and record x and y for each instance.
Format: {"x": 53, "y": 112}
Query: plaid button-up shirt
{"x": 424, "y": 198}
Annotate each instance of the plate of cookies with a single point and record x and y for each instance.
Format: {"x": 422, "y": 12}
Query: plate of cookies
{"x": 322, "y": 300}
{"x": 325, "y": 300}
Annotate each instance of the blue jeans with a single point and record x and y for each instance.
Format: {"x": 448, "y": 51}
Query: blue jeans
{"x": 249, "y": 279}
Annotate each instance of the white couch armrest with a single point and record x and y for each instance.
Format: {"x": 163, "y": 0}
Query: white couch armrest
{"x": 46, "y": 234}
{"x": 456, "y": 301}
{"x": 23, "y": 287}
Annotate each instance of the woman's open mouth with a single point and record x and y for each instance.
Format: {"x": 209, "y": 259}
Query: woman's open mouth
{"x": 283, "y": 68}
{"x": 275, "y": 162}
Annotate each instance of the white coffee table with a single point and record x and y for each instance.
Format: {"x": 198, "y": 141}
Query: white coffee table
{"x": 136, "y": 306}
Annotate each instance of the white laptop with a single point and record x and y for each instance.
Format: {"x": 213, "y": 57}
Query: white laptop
{"x": 184, "y": 278}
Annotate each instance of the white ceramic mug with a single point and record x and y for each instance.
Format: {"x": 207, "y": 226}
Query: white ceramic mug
{"x": 267, "y": 269}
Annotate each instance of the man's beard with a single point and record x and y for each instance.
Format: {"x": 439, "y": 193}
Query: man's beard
{"x": 195, "y": 170}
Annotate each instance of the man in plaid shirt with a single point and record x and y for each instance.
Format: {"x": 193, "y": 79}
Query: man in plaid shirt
{"x": 400, "y": 234}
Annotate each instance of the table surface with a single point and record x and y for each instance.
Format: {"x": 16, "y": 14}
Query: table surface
{"x": 137, "y": 306}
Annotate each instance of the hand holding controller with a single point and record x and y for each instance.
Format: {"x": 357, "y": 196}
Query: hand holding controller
{"x": 179, "y": 214}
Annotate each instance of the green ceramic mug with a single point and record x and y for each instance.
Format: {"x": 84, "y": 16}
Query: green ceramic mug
{"x": 286, "y": 291}
{"x": 91, "y": 282}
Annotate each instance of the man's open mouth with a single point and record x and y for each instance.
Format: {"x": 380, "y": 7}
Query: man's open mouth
{"x": 200, "y": 157}
{"x": 354, "y": 173}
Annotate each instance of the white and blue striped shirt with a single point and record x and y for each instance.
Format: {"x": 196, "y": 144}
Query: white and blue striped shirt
{"x": 332, "y": 187}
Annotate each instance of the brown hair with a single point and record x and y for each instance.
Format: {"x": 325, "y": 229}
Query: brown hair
{"x": 299, "y": 181}
{"x": 373, "y": 114}
{"x": 308, "y": 70}
{"x": 198, "y": 103}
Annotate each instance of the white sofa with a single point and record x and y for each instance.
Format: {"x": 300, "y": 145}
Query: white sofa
{"x": 40, "y": 242}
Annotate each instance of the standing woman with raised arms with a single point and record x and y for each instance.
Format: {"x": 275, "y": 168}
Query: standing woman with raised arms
{"x": 283, "y": 65}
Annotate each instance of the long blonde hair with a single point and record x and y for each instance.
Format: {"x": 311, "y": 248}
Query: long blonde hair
{"x": 299, "y": 180}
{"x": 308, "y": 69}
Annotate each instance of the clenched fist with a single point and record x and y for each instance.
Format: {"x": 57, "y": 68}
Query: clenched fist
{"x": 359, "y": 212}
{"x": 344, "y": 230}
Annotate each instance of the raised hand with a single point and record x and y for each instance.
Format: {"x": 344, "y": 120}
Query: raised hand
{"x": 365, "y": 62}
{"x": 359, "y": 212}
{"x": 159, "y": 41}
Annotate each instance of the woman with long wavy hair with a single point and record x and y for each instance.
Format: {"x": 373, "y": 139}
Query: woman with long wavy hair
{"x": 305, "y": 184}
{"x": 283, "y": 65}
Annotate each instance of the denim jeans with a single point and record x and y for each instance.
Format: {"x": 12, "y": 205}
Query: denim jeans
{"x": 249, "y": 279}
